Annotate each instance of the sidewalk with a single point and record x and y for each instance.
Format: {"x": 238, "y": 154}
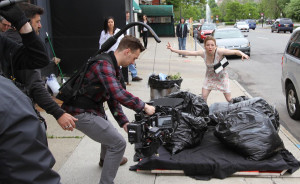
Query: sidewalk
{"x": 77, "y": 155}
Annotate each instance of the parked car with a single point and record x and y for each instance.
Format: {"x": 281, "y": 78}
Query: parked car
{"x": 283, "y": 24}
{"x": 290, "y": 77}
{"x": 251, "y": 23}
{"x": 205, "y": 30}
{"x": 231, "y": 38}
{"x": 243, "y": 26}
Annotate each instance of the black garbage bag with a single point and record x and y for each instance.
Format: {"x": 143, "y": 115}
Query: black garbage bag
{"x": 155, "y": 83}
{"x": 192, "y": 103}
{"x": 258, "y": 103}
{"x": 250, "y": 132}
{"x": 189, "y": 132}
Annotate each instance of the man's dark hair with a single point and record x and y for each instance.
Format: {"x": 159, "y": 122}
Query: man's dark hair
{"x": 105, "y": 25}
{"x": 31, "y": 10}
{"x": 130, "y": 42}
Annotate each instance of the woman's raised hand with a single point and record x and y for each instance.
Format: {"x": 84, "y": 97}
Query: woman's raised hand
{"x": 169, "y": 46}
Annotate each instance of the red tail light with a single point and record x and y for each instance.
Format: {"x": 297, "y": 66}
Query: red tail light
{"x": 282, "y": 61}
{"x": 278, "y": 25}
{"x": 293, "y": 25}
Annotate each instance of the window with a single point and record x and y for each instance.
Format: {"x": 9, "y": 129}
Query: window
{"x": 294, "y": 45}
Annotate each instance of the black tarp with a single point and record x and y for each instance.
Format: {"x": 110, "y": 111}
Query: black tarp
{"x": 212, "y": 159}
{"x": 76, "y": 28}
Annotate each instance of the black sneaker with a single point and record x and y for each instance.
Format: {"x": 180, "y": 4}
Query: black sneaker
{"x": 136, "y": 78}
{"x": 123, "y": 161}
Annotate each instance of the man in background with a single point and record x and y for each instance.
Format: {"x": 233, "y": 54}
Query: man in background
{"x": 181, "y": 33}
{"x": 4, "y": 25}
{"x": 24, "y": 154}
{"x": 132, "y": 67}
{"x": 30, "y": 81}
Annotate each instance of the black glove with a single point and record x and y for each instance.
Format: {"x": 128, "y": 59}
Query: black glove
{"x": 14, "y": 15}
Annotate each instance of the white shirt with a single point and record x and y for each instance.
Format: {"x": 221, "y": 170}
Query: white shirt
{"x": 104, "y": 36}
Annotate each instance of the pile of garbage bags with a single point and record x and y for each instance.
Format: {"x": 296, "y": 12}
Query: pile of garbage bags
{"x": 192, "y": 122}
{"x": 248, "y": 126}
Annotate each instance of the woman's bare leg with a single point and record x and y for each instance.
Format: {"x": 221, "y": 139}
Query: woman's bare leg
{"x": 228, "y": 96}
{"x": 205, "y": 93}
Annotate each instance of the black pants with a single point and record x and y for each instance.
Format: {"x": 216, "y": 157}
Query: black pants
{"x": 145, "y": 38}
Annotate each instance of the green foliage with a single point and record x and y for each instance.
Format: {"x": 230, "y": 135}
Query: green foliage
{"x": 174, "y": 77}
{"x": 293, "y": 10}
{"x": 229, "y": 23}
{"x": 233, "y": 11}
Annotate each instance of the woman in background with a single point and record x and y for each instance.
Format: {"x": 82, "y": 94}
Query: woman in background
{"x": 144, "y": 31}
{"x": 109, "y": 30}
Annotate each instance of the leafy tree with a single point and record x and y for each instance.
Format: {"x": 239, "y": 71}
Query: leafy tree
{"x": 212, "y": 4}
{"x": 293, "y": 10}
{"x": 250, "y": 11}
{"x": 234, "y": 10}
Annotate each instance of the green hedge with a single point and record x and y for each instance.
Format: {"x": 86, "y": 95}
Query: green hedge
{"x": 229, "y": 23}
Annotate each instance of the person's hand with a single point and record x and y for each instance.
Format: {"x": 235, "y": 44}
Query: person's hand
{"x": 13, "y": 14}
{"x": 56, "y": 60}
{"x": 149, "y": 109}
{"x": 66, "y": 121}
{"x": 244, "y": 56}
{"x": 125, "y": 127}
{"x": 169, "y": 46}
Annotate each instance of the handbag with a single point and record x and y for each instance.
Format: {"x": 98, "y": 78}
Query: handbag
{"x": 221, "y": 64}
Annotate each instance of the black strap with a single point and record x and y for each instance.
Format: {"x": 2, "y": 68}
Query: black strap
{"x": 84, "y": 102}
{"x": 215, "y": 56}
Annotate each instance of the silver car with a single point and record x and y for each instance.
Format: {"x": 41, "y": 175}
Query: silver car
{"x": 290, "y": 78}
{"x": 231, "y": 38}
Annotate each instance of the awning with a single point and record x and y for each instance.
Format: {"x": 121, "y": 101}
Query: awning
{"x": 136, "y": 7}
{"x": 157, "y": 10}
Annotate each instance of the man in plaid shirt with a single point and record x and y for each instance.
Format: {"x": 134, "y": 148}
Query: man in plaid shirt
{"x": 92, "y": 120}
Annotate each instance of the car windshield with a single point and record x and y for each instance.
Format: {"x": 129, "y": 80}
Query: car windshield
{"x": 208, "y": 27}
{"x": 241, "y": 23}
{"x": 228, "y": 34}
{"x": 251, "y": 21}
{"x": 286, "y": 21}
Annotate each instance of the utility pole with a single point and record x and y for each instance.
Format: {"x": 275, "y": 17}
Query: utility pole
{"x": 131, "y": 32}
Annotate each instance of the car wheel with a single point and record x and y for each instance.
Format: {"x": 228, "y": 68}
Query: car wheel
{"x": 254, "y": 29}
{"x": 291, "y": 31}
{"x": 277, "y": 30}
{"x": 284, "y": 31}
{"x": 271, "y": 30}
{"x": 292, "y": 102}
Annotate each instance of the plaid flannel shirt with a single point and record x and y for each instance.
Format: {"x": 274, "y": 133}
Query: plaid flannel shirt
{"x": 107, "y": 75}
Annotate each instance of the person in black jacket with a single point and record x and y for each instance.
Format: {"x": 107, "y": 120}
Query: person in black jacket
{"x": 24, "y": 155}
{"x": 181, "y": 33}
{"x": 30, "y": 81}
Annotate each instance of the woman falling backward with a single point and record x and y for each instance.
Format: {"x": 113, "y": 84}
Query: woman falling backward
{"x": 212, "y": 55}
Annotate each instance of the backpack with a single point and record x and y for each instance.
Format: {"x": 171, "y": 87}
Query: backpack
{"x": 70, "y": 90}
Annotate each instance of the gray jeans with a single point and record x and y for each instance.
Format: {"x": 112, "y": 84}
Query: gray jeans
{"x": 102, "y": 131}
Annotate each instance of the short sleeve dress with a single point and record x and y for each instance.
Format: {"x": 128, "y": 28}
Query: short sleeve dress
{"x": 216, "y": 81}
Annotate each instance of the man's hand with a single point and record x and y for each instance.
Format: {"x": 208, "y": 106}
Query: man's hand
{"x": 66, "y": 121}
{"x": 13, "y": 14}
{"x": 56, "y": 60}
{"x": 125, "y": 127}
{"x": 149, "y": 109}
